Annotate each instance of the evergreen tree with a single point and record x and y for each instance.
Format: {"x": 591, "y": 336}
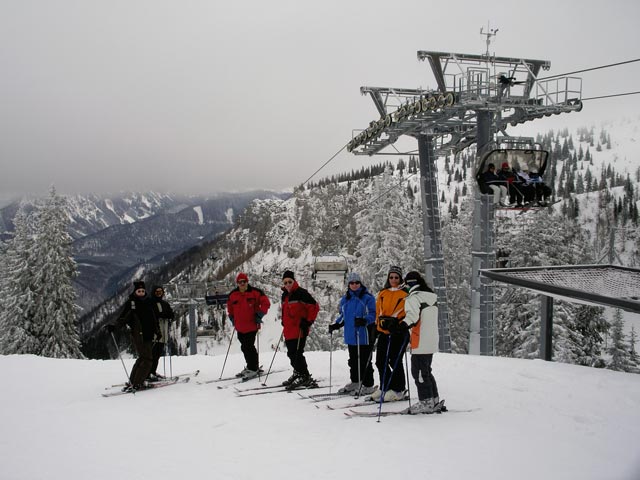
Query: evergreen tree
{"x": 19, "y": 331}
{"x": 38, "y": 311}
{"x": 456, "y": 245}
{"x": 55, "y": 300}
{"x": 550, "y": 240}
{"x": 620, "y": 358}
{"x": 634, "y": 358}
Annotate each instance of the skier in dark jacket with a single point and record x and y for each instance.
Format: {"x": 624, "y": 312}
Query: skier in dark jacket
{"x": 299, "y": 311}
{"x": 138, "y": 314}
{"x": 246, "y": 307}
{"x": 164, "y": 314}
{"x": 358, "y": 317}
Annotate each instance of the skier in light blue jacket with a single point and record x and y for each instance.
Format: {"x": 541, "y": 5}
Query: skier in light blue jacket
{"x": 358, "y": 317}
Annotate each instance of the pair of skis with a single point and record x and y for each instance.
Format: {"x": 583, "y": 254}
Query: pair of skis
{"x": 229, "y": 380}
{"x": 264, "y": 389}
{"x": 440, "y": 408}
{"x": 166, "y": 379}
{"x": 150, "y": 386}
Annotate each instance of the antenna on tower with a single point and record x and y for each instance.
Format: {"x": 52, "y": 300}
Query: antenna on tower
{"x": 491, "y": 32}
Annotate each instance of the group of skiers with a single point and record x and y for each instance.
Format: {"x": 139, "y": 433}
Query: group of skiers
{"x": 403, "y": 313}
{"x": 521, "y": 188}
{"x": 148, "y": 319}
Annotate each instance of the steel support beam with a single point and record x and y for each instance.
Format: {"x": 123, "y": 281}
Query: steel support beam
{"x": 481, "y": 331}
{"x": 546, "y": 327}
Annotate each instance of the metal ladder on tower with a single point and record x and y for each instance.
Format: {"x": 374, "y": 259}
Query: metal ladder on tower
{"x": 434, "y": 256}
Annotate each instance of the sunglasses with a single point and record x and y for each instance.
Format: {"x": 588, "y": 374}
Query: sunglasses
{"x": 354, "y": 283}
{"x": 288, "y": 282}
{"x": 241, "y": 282}
{"x": 393, "y": 277}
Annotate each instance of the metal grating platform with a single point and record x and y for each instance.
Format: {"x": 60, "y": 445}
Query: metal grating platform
{"x": 607, "y": 285}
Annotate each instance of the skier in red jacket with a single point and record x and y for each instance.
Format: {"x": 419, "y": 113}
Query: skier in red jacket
{"x": 299, "y": 311}
{"x": 246, "y": 307}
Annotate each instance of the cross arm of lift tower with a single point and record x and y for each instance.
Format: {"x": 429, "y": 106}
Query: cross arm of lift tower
{"x": 467, "y": 85}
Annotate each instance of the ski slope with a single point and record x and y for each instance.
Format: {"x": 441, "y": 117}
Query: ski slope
{"x": 528, "y": 420}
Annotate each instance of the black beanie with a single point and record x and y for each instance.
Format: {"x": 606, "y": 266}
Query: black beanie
{"x": 138, "y": 284}
{"x": 412, "y": 277}
{"x": 288, "y": 274}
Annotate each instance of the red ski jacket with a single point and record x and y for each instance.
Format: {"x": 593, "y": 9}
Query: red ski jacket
{"x": 296, "y": 305}
{"x": 247, "y": 308}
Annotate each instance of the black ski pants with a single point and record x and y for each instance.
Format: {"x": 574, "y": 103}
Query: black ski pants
{"x": 421, "y": 373}
{"x": 248, "y": 347}
{"x": 295, "y": 352}
{"x": 366, "y": 369}
{"x": 142, "y": 367}
{"x": 158, "y": 351}
{"x": 389, "y": 359}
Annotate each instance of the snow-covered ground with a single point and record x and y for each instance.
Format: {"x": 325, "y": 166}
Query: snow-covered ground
{"x": 509, "y": 419}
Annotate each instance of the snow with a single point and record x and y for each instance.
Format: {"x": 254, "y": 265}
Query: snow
{"x": 198, "y": 210}
{"x": 229, "y": 215}
{"x": 528, "y": 420}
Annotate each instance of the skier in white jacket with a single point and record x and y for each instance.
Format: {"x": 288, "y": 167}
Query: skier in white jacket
{"x": 422, "y": 318}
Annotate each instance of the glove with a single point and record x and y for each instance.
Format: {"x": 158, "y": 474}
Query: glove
{"x": 335, "y": 326}
{"x": 361, "y": 322}
{"x": 304, "y": 326}
{"x": 259, "y": 316}
{"x": 110, "y": 328}
{"x": 388, "y": 323}
{"x": 400, "y": 328}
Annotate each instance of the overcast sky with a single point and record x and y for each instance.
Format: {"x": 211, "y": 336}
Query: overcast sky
{"x": 204, "y": 96}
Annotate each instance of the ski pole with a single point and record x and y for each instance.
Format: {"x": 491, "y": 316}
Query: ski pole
{"x": 406, "y": 362}
{"x": 330, "y": 358}
{"x": 258, "y": 350}
{"x": 228, "y": 348}
{"x": 359, "y": 369}
{"x": 384, "y": 374}
{"x": 272, "y": 359}
{"x": 166, "y": 350}
{"x": 170, "y": 350}
{"x": 395, "y": 364}
{"x": 366, "y": 369}
{"x": 120, "y": 356}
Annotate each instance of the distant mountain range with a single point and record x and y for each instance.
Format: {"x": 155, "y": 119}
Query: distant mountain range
{"x": 118, "y": 237}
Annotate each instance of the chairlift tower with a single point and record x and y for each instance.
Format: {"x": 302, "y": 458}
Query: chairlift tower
{"x": 476, "y": 97}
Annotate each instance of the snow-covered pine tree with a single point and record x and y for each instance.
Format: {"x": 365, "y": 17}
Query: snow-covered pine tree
{"x": 544, "y": 240}
{"x": 19, "y": 331}
{"x": 634, "y": 358}
{"x": 386, "y": 229}
{"x": 618, "y": 350}
{"x": 456, "y": 244}
{"x": 55, "y": 308}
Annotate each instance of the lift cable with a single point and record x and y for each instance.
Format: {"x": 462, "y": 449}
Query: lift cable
{"x": 325, "y": 164}
{"x": 590, "y": 69}
{"x": 609, "y": 96}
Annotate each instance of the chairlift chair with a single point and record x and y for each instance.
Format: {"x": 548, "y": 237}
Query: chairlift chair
{"x": 531, "y": 159}
{"x": 330, "y": 267}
